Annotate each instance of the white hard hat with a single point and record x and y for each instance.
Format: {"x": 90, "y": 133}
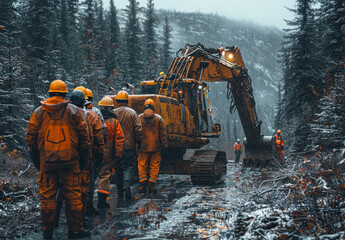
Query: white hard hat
{"x": 238, "y": 140}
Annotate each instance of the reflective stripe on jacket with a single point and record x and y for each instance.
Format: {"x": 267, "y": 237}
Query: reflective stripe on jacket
{"x": 279, "y": 141}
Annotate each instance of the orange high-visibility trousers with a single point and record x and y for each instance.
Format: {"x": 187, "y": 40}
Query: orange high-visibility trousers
{"x": 84, "y": 187}
{"x": 148, "y": 166}
{"x": 104, "y": 177}
{"x": 280, "y": 154}
{"x": 69, "y": 180}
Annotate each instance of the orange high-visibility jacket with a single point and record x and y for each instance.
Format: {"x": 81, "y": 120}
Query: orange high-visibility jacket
{"x": 130, "y": 124}
{"x": 97, "y": 129}
{"x": 238, "y": 147}
{"x": 279, "y": 141}
{"x": 154, "y": 131}
{"x": 115, "y": 139}
{"x": 72, "y": 136}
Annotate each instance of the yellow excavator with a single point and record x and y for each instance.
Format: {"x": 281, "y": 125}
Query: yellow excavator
{"x": 181, "y": 98}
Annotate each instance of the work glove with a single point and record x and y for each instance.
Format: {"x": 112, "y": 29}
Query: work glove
{"x": 35, "y": 157}
{"x": 83, "y": 157}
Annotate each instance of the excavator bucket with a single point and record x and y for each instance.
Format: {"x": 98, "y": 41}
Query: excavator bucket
{"x": 259, "y": 155}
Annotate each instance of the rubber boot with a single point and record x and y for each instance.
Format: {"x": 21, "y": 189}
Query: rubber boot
{"x": 91, "y": 210}
{"x": 128, "y": 193}
{"x": 152, "y": 187}
{"x": 47, "y": 235}
{"x": 143, "y": 187}
{"x": 102, "y": 201}
{"x": 79, "y": 234}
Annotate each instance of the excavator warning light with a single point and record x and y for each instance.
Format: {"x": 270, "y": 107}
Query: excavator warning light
{"x": 230, "y": 56}
{"x": 180, "y": 91}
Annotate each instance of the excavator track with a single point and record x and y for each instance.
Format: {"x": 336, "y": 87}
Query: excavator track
{"x": 208, "y": 167}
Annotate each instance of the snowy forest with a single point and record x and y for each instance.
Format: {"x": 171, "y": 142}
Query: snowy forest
{"x": 298, "y": 78}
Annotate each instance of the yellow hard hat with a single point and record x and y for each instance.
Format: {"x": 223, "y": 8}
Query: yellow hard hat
{"x": 89, "y": 93}
{"x": 58, "y": 86}
{"x": 149, "y": 102}
{"x": 106, "y": 102}
{"x": 279, "y": 131}
{"x": 81, "y": 88}
{"x": 122, "y": 96}
{"x": 162, "y": 73}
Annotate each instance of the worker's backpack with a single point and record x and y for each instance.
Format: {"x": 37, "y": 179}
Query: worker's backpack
{"x": 57, "y": 148}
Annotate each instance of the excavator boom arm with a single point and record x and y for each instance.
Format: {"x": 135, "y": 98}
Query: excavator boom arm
{"x": 220, "y": 65}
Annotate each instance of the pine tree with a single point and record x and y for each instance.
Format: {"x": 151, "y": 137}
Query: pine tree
{"x": 278, "y": 118}
{"x": 14, "y": 95}
{"x": 74, "y": 41}
{"x": 328, "y": 127}
{"x": 100, "y": 49}
{"x": 166, "y": 45}
{"x": 89, "y": 45}
{"x": 37, "y": 42}
{"x": 132, "y": 64}
{"x": 151, "y": 46}
{"x": 114, "y": 52}
{"x": 302, "y": 81}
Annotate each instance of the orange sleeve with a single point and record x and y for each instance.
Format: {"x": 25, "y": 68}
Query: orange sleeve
{"x": 98, "y": 134}
{"x": 241, "y": 147}
{"x": 119, "y": 139}
{"x": 83, "y": 133}
{"x": 31, "y": 134}
{"x": 137, "y": 129}
{"x": 234, "y": 147}
{"x": 163, "y": 133}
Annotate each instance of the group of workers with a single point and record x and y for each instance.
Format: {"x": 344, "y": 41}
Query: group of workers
{"x": 72, "y": 143}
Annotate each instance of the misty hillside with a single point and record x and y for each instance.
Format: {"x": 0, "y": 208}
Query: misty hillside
{"x": 259, "y": 46}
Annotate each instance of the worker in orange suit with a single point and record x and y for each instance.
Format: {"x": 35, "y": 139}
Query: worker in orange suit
{"x": 58, "y": 141}
{"x": 100, "y": 132}
{"x": 78, "y": 99}
{"x": 238, "y": 149}
{"x": 279, "y": 145}
{"x": 97, "y": 145}
{"x": 113, "y": 150}
{"x": 154, "y": 142}
{"x": 131, "y": 126}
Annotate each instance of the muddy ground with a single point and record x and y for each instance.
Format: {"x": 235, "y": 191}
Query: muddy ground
{"x": 179, "y": 211}
{"x": 248, "y": 205}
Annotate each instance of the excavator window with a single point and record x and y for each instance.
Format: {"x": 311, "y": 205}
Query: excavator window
{"x": 148, "y": 89}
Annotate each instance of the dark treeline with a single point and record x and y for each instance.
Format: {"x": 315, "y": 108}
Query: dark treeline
{"x": 79, "y": 42}
{"x": 311, "y": 110}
